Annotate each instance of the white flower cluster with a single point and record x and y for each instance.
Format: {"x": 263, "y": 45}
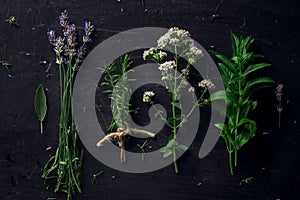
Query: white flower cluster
{"x": 173, "y": 37}
{"x": 153, "y": 53}
{"x": 206, "y": 83}
{"x": 147, "y": 96}
{"x": 184, "y": 44}
{"x": 194, "y": 54}
{"x": 148, "y": 53}
{"x": 166, "y": 69}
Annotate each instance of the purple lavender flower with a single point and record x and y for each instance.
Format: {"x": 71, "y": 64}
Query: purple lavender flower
{"x": 59, "y": 45}
{"x": 51, "y": 37}
{"x": 65, "y": 47}
{"x": 88, "y": 28}
{"x": 70, "y": 33}
{"x": 279, "y": 91}
{"x": 86, "y": 39}
{"x": 81, "y": 52}
{"x": 64, "y": 19}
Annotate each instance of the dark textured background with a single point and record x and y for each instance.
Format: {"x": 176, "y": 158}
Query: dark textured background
{"x": 272, "y": 159}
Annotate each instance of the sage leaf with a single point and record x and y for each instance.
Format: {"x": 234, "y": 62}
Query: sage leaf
{"x": 40, "y": 105}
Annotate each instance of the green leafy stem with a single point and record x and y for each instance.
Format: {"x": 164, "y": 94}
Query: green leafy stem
{"x": 235, "y": 71}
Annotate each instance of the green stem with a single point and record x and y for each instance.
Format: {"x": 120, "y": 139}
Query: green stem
{"x": 237, "y": 115}
{"x": 41, "y": 125}
{"x": 235, "y": 157}
{"x": 230, "y": 163}
{"x": 279, "y": 119}
{"x": 174, "y": 161}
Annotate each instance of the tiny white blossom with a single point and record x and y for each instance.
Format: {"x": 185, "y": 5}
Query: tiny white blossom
{"x": 147, "y": 96}
{"x": 167, "y": 65}
{"x": 174, "y": 41}
{"x": 184, "y": 83}
{"x": 59, "y": 60}
{"x": 206, "y": 83}
{"x": 185, "y": 72}
{"x": 148, "y": 53}
{"x": 160, "y": 55}
{"x": 191, "y": 90}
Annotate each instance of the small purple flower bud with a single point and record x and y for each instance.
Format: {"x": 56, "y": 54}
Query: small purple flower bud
{"x": 51, "y": 37}
{"x": 279, "y": 91}
{"x": 80, "y": 53}
{"x": 86, "y": 39}
{"x": 59, "y": 42}
{"x": 88, "y": 28}
{"x": 64, "y": 19}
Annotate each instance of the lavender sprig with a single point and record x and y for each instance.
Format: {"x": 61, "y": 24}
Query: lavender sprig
{"x": 279, "y": 93}
{"x": 65, "y": 165}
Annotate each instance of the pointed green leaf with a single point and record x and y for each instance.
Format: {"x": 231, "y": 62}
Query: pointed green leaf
{"x": 255, "y": 67}
{"x": 256, "y": 81}
{"x": 225, "y": 129}
{"x": 235, "y": 43}
{"x": 225, "y": 73}
{"x": 40, "y": 104}
{"x": 167, "y": 153}
{"x": 225, "y": 60}
{"x": 182, "y": 147}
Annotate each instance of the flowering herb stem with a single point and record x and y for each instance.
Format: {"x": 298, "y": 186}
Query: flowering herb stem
{"x": 177, "y": 41}
{"x": 279, "y": 93}
{"x": 66, "y": 164}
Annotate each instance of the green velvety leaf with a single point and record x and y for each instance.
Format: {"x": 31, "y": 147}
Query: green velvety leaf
{"x": 170, "y": 144}
{"x": 163, "y": 150}
{"x": 182, "y": 147}
{"x": 167, "y": 153}
{"x": 40, "y": 104}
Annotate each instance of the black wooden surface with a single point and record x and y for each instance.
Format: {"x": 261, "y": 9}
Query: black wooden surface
{"x": 271, "y": 159}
